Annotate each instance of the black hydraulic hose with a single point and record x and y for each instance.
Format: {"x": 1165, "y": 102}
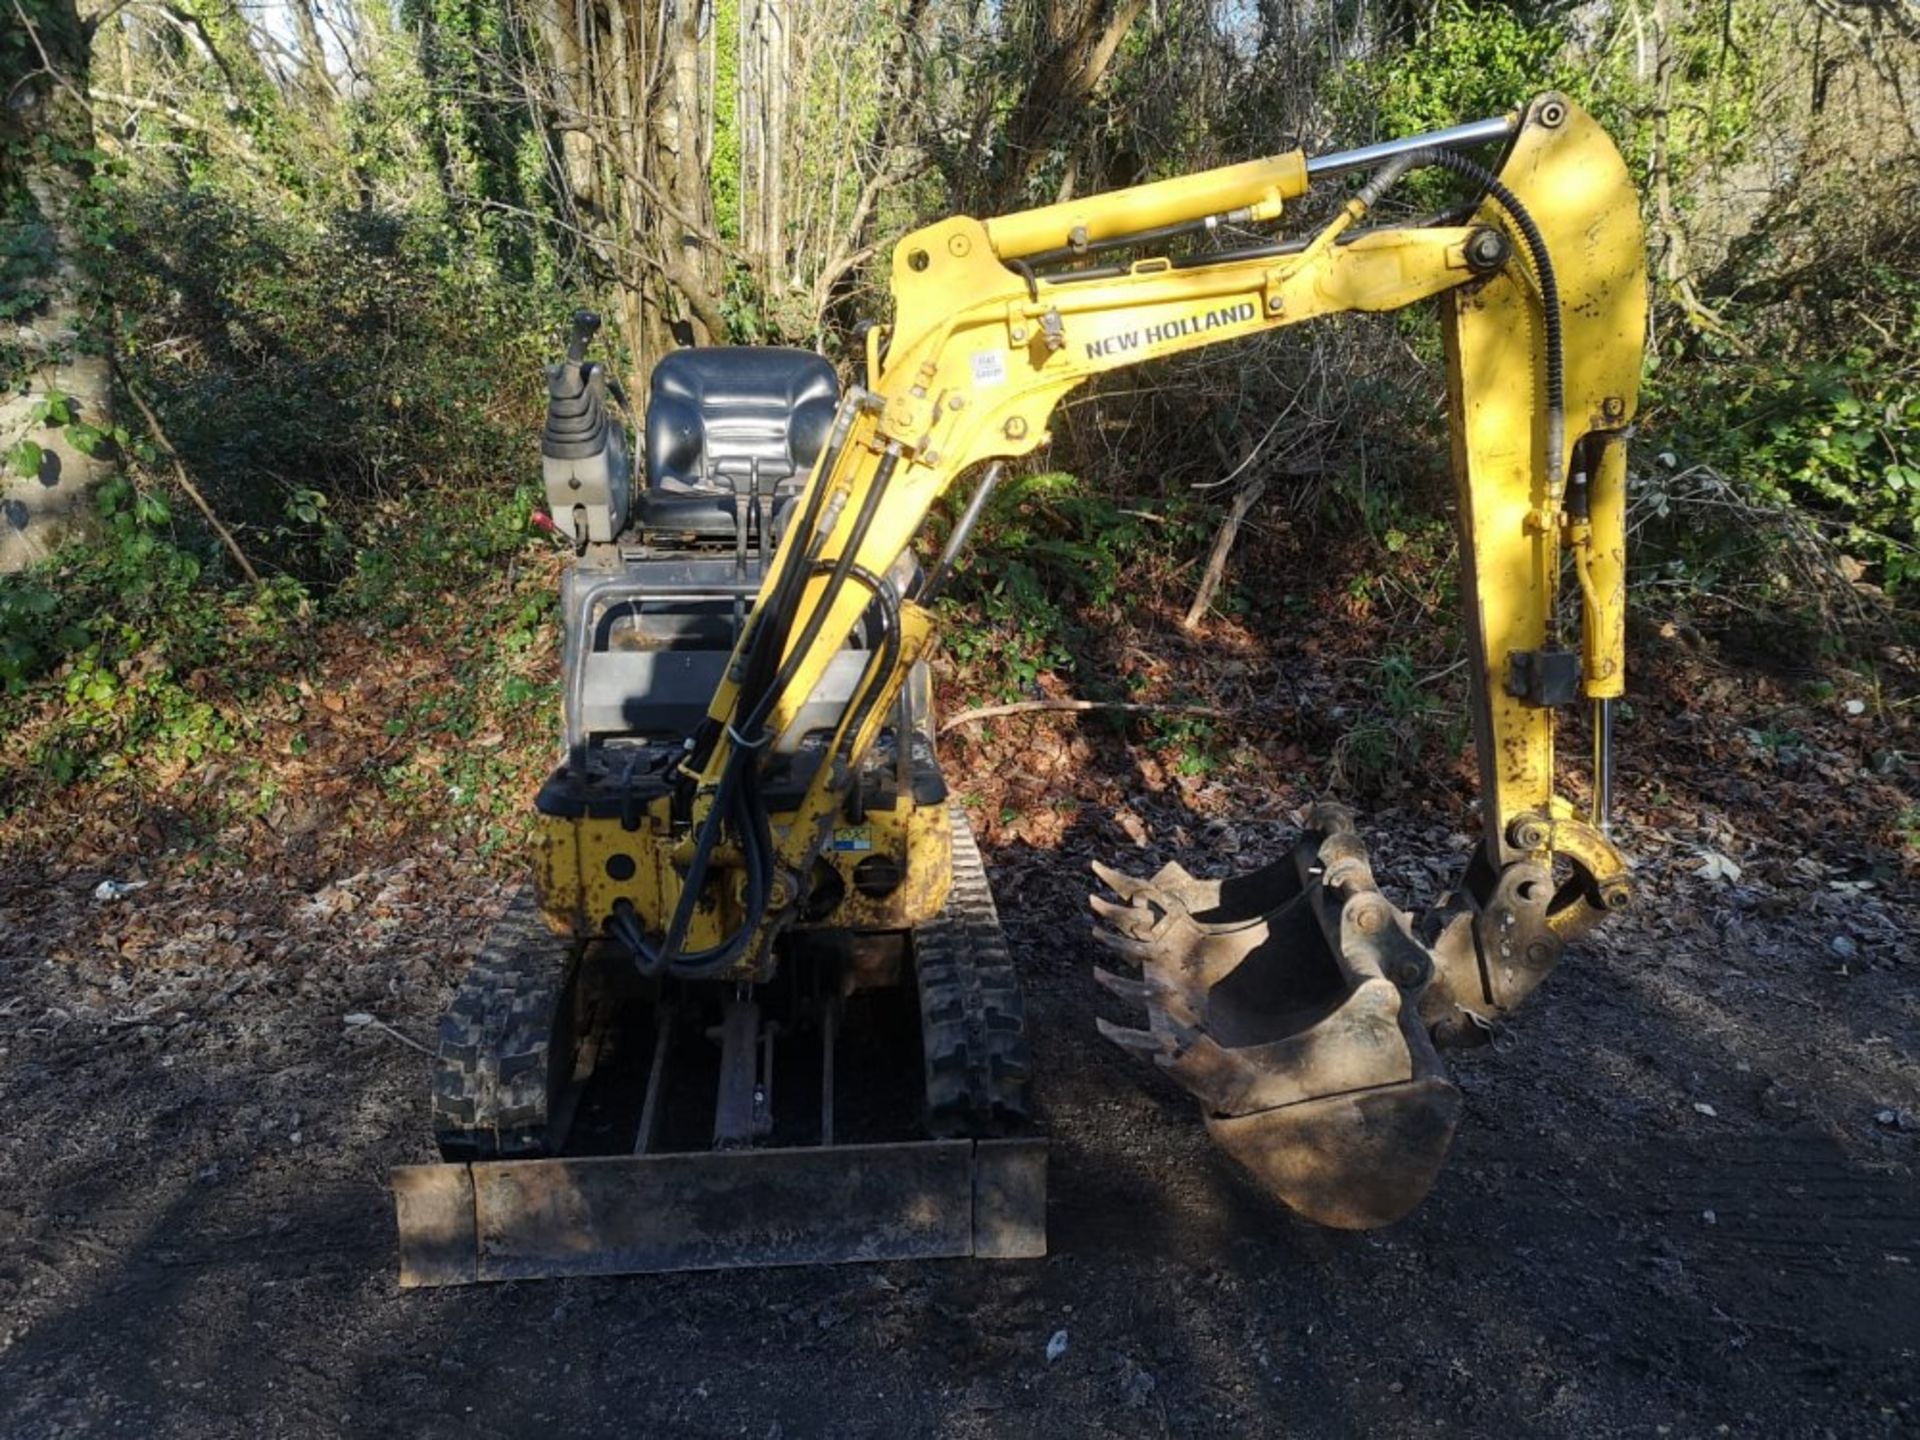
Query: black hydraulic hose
{"x": 836, "y": 582}
{"x": 741, "y": 805}
{"x": 716, "y": 958}
{"x": 761, "y": 638}
{"x": 779, "y": 607}
{"x": 862, "y": 576}
{"x": 748, "y": 815}
{"x": 736, "y": 798}
{"x": 887, "y": 599}
{"x": 880, "y": 663}
{"x": 1543, "y": 267}
{"x": 748, "y": 740}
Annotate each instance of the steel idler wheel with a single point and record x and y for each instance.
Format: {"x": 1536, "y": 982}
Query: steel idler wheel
{"x": 1287, "y": 1001}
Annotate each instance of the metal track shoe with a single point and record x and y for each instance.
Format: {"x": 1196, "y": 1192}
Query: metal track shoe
{"x": 1288, "y": 1001}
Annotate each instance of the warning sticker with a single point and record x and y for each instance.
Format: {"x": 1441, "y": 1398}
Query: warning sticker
{"x": 853, "y": 837}
{"x": 989, "y": 367}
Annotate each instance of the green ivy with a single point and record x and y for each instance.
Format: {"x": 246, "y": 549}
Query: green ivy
{"x": 1817, "y": 418}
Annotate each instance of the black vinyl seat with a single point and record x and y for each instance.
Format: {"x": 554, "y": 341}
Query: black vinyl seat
{"x": 719, "y": 415}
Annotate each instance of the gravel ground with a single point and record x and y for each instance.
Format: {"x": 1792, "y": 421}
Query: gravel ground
{"x": 1682, "y": 1200}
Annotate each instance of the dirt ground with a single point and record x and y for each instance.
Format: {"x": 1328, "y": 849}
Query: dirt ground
{"x": 1683, "y": 1199}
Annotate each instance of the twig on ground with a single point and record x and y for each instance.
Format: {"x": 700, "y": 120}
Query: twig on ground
{"x": 1222, "y": 544}
{"x": 193, "y": 491}
{"x": 1027, "y": 707}
{"x": 360, "y": 1020}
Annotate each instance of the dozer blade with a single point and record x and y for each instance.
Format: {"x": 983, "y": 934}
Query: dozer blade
{"x": 1287, "y": 1000}
{"x": 720, "y": 1210}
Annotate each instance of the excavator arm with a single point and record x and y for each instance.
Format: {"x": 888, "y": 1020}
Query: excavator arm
{"x": 1296, "y": 1002}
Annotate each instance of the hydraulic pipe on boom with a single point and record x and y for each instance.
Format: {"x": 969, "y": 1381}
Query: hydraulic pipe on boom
{"x": 1455, "y": 137}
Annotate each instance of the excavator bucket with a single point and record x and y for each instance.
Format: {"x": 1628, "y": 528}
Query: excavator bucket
{"x": 1287, "y": 1000}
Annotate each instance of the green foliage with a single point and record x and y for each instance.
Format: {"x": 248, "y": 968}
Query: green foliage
{"x": 1818, "y": 414}
{"x": 328, "y": 368}
{"x": 342, "y": 318}
{"x": 1194, "y": 741}
{"x": 134, "y": 646}
{"x": 129, "y": 661}
{"x": 1466, "y": 61}
{"x": 1048, "y": 556}
{"x": 405, "y": 566}
{"x": 1843, "y": 440}
{"x": 723, "y": 168}
{"x": 454, "y": 769}
{"x": 1840, "y": 439}
{"x": 355, "y": 391}
{"x": 1721, "y": 62}
{"x": 55, "y": 413}
{"x": 1390, "y": 739}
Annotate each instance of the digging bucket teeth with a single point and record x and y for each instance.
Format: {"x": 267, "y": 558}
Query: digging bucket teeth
{"x": 1287, "y": 1000}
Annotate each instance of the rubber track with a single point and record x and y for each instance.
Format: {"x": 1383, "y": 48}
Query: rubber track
{"x": 972, "y": 1017}
{"x": 492, "y": 1066}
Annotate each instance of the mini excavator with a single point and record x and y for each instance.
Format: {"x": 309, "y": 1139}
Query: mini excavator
{"x": 756, "y": 1006}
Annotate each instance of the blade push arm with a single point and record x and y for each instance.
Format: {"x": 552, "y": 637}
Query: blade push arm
{"x": 982, "y": 349}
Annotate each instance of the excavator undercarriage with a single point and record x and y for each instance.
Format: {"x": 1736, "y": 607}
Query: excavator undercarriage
{"x": 756, "y": 1006}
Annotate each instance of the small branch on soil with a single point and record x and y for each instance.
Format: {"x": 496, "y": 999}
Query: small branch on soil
{"x": 1222, "y": 544}
{"x": 193, "y": 491}
{"x": 361, "y": 1020}
{"x": 1027, "y": 707}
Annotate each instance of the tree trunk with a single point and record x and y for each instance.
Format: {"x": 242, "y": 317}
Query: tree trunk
{"x": 315, "y": 78}
{"x": 625, "y": 88}
{"x": 1076, "y": 46}
{"x": 765, "y": 78}
{"x": 46, "y": 133}
{"x": 688, "y": 257}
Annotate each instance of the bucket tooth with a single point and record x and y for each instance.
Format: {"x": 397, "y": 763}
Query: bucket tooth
{"x": 1129, "y": 920}
{"x": 1140, "y": 952}
{"x": 1170, "y": 878}
{"x": 1287, "y": 1001}
{"x": 1140, "y": 992}
{"x": 1142, "y": 1042}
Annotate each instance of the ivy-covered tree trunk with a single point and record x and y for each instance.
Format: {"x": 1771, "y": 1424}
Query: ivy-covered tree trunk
{"x": 1073, "y": 45}
{"x": 626, "y": 92}
{"x": 689, "y": 258}
{"x": 55, "y": 409}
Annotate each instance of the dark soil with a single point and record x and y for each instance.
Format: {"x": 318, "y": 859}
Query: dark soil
{"x": 1683, "y": 1199}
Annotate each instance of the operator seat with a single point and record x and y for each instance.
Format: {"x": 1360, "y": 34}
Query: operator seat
{"x": 717, "y": 416}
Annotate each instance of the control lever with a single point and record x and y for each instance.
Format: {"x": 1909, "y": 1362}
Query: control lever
{"x": 586, "y": 325}
{"x": 583, "y": 450}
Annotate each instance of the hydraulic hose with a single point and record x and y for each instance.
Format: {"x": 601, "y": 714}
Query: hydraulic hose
{"x": 736, "y": 798}
{"x": 756, "y": 837}
{"x": 1556, "y": 408}
{"x": 756, "y": 850}
{"x": 883, "y": 659}
{"x": 836, "y": 582}
{"x": 1530, "y": 236}
{"x": 762, "y": 639}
